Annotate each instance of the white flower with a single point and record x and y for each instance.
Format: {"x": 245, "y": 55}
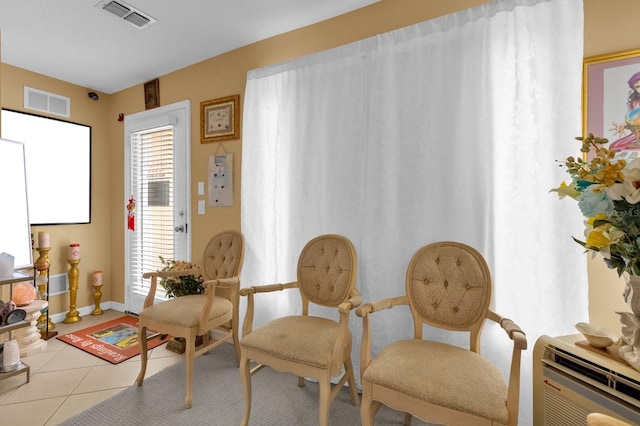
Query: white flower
{"x": 627, "y": 189}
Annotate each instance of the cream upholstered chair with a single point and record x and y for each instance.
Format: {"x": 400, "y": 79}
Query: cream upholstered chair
{"x": 305, "y": 345}
{"x": 448, "y": 285}
{"x": 599, "y": 419}
{"x": 196, "y": 315}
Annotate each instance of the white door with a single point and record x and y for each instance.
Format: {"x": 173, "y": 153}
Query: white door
{"x": 157, "y": 177}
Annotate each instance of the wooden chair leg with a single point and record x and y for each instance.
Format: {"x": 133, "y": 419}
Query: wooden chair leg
{"x": 245, "y": 376}
{"x": 351, "y": 380}
{"x": 190, "y": 347}
{"x": 142, "y": 331}
{"x": 407, "y": 419}
{"x": 325, "y": 395}
{"x": 234, "y": 334}
{"x": 366, "y": 407}
{"x": 236, "y": 343}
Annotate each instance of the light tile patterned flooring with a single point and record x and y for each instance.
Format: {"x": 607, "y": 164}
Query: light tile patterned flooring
{"x": 66, "y": 380}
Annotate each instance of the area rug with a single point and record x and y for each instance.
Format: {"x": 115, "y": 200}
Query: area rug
{"x": 114, "y": 341}
{"x": 218, "y": 399}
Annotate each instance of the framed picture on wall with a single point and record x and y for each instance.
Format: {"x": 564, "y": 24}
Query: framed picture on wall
{"x": 152, "y": 94}
{"x": 219, "y": 119}
{"x": 611, "y": 100}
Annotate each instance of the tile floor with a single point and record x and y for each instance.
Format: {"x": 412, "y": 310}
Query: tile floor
{"x": 66, "y": 380}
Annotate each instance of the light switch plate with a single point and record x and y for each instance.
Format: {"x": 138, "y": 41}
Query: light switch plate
{"x": 200, "y": 188}
{"x": 200, "y": 206}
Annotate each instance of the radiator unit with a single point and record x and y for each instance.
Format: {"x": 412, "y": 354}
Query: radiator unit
{"x": 569, "y": 382}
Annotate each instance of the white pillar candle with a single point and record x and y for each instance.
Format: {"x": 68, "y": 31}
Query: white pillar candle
{"x": 97, "y": 279}
{"x": 74, "y": 251}
{"x": 43, "y": 239}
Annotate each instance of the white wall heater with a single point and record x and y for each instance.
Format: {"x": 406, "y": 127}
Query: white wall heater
{"x": 569, "y": 382}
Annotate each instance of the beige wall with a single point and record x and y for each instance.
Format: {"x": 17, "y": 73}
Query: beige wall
{"x": 94, "y": 238}
{"x": 102, "y": 241}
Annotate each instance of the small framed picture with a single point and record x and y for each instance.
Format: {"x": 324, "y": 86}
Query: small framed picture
{"x": 152, "y": 94}
{"x": 219, "y": 119}
{"x": 611, "y": 100}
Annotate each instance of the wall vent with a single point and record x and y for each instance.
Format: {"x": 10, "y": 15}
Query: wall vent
{"x": 58, "y": 284}
{"x": 47, "y": 102}
{"x": 122, "y": 10}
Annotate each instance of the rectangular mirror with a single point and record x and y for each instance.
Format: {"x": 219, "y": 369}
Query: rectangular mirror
{"x": 15, "y": 236}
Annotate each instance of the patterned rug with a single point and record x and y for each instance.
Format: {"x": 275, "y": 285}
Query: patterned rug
{"x": 114, "y": 341}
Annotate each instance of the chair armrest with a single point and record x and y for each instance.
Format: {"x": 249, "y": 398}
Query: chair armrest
{"x": 222, "y": 282}
{"x": 368, "y": 308}
{"x": 351, "y": 303}
{"x": 364, "y": 311}
{"x": 519, "y": 344}
{"x": 267, "y": 288}
{"x": 210, "y": 292}
{"x": 167, "y": 274}
{"x": 247, "y": 324}
{"x": 514, "y": 332}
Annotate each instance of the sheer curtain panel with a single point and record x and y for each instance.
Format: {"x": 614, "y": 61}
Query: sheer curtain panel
{"x": 445, "y": 130}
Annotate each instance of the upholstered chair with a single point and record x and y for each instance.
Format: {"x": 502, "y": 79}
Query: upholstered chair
{"x": 197, "y": 315}
{"x": 448, "y": 286}
{"x": 306, "y": 345}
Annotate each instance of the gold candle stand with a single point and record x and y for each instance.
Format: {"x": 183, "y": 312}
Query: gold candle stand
{"x": 73, "y": 315}
{"x": 97, "y": 295}
{"x": 42, "y": 264}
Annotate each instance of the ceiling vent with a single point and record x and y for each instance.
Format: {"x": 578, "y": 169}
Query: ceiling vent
{"x": 122, "y": 10}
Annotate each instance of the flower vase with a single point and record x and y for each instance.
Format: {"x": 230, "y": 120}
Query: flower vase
{"x": 632, "y": 294}
{"x": 630, "y": 344}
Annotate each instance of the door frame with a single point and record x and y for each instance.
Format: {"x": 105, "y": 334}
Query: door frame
{"x": 179, "y": 115}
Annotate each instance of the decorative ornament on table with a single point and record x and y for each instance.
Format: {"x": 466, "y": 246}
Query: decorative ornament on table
{"x": 23, "y": 294}
{"x": 607, "y": 190}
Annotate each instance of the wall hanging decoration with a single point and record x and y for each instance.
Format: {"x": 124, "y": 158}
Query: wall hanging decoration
{"x": 220, "y": 119}
{"x": 221, "y": 179}
{"x": 131, "y": 214}
{"x": 611, "y": 100}
{"x": 152, "y": 94}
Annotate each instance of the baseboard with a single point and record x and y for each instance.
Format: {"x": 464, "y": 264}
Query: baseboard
{"x": 86, "y": 310}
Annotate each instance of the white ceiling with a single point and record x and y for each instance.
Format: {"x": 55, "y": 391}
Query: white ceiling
{"x": 75, "y": 41}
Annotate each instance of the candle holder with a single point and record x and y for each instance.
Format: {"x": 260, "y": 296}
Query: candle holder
{"x": 97, "y": 295}
{"x": 42, "y": 264}
{"x": 73, "y": 315}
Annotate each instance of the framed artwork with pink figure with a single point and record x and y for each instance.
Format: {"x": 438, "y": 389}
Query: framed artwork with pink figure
{"x": 611, "y": 100}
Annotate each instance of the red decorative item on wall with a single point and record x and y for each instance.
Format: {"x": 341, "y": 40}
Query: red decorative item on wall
{"x": 131, "y": 214}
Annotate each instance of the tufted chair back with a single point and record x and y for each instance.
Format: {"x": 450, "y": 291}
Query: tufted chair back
{"x": 327, "y": 270}
{"x": 449, "y": 286}
{"x": 223, "y": 255}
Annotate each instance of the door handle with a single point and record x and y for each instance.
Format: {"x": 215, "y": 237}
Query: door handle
{"x": 179, "y": 228}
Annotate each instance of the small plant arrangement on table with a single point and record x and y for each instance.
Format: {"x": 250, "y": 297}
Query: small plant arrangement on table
{"x": 181, "y": 285}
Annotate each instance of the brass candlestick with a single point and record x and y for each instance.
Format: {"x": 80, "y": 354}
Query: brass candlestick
{"x": 73, "y": 315}
{"x": 42, "y": 264}
{"x": 97, "y": 295}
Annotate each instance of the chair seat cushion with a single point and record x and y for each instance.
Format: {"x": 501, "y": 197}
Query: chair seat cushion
{"x": 442, "y": 374}
{"x": 303, "y": 339}
{"x": 185, "y": 310}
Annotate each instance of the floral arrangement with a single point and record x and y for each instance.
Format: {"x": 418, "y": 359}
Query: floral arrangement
{"x": 607, "y": 190}
{"x": 181, "y": 285}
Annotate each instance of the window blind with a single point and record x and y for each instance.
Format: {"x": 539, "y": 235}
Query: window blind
{"x": 152, "y": 187}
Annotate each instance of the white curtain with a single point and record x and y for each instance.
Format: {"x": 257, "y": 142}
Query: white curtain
{"x": 445, "y": 130}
